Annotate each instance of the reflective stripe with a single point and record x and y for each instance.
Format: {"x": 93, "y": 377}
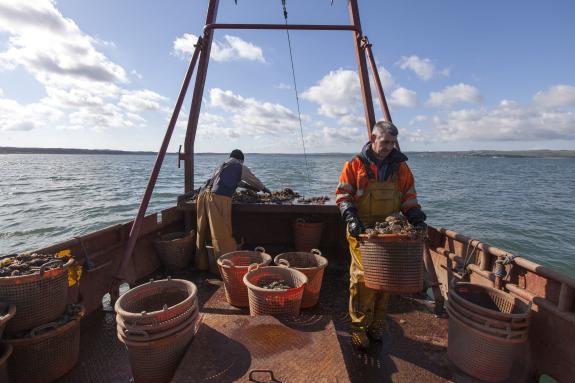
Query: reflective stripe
{"x": 346, "y": 186}
{"x": 409, "y": 202}
{"x": 343, "y": 195}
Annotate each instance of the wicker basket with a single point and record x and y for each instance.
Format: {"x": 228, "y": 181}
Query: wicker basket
{"x": 481, "y": 355}
{"x": 521, "y": 325}
{"x": 7, "y": 311}
{"x": 233, "y": 266}
{"x": 155, "y": 361}
{"x": 392, "y": 262}
{"x": 5, "y": 352}
{"x": 489, "y": 302}
{"x": 312, "y": 264}
{"x": 156, "y": 302}
{"x": 274, "y": 302}
{"x": 138, "y": 335}
{"x": 307, "y": 235}
{"x": 157, "y": 327}
{"x": 175, "y": 249}
{"x": 510, "y": 334}
{"x": 39, "y": 298}
{"x": 49, "y": 353}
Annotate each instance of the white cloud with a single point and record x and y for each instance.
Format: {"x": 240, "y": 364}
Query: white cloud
{"x": 386, "y": 78}
{"x": 403, "y": 97}
{"x": 508, "y": 121}
{"x": 233, "y": 48}
{"x": 136, "y": 74}
{"x": 52, "y": 46}
{"x": 337, "y": 93}
{"x": 101, "y": 118}
{"x": 215, "y": 126}
{"x": 253, "y": 117}
{"x": 418, "y": 119}
{"x": 423, "y": 67}
{"x": 555, "y": 97}
{"x": 283, "y": 86}
{"x": 454, "y": 94}
{"x": 17, "y": 117}
{"x": 141, "y": 100}
{"x": 83, "y": 86}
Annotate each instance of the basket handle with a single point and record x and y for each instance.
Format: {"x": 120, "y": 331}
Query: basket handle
{"x": 260, "y": 249}
{"x": 253, "y": 266}
{"x": 316, "y": 252}
{"x": 45, "y": 326}
{"x": 270, "y": 372}
{"x": 227, "y": 263}
{"x": 53, "y": 262}
{"x": 300, "y": 220}
{"x": 10, "y": 312}
{"x": 137, "y": 333}
{"x": 283, "y": 263}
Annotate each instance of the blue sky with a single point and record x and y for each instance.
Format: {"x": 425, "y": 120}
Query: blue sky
{"x": 457, "y": 75}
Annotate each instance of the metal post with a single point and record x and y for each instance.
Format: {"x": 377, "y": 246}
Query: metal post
{"x": 137, "y": 225}
{"x": 197, "y": 98}
{"x": 377, "y": 80}
{"x": 362, "y": 67}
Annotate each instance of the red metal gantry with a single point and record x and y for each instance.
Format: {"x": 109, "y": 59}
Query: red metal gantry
{"x": 203, "y": 49}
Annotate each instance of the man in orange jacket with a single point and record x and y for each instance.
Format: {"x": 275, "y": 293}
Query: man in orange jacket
{"x": 373, "y": 185}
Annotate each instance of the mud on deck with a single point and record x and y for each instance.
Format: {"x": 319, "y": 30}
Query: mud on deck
{"x": 414, "y": 349}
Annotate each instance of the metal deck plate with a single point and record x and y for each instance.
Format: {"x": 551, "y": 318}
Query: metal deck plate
{"x": 227, "y": 347}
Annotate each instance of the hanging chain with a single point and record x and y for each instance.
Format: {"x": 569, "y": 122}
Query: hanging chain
{"x": 296, "y": 98}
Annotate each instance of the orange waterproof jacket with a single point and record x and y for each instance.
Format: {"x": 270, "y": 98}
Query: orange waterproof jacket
{"x": 354, "y": 180}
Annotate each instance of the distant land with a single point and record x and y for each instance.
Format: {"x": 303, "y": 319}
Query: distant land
{"x": 543, "y": 153}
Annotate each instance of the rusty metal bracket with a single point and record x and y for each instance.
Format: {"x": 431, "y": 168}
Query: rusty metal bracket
{"x": 270, "y": 372}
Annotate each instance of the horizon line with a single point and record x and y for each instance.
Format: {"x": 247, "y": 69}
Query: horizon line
{"x": 7, "y": 149}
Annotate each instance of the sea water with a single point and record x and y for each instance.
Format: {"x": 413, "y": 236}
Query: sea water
{"x": 522, "y": 205}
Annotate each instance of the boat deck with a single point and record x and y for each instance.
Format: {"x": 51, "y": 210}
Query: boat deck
{"x": 414, "y": 349}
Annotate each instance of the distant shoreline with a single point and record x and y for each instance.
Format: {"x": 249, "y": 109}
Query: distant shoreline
{"x": 470, "y": 153}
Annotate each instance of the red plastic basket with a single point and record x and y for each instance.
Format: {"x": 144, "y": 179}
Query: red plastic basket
{"x": 312, "y": 264}
{"x": 233, "y": 266}
{"x": 274, "y": 302}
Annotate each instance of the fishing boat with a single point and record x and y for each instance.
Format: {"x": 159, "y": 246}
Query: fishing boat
{"x": 319, "y": 350}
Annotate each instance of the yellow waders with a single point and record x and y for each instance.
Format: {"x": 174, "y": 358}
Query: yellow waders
{"x": 368, "y": 306}
{"x": 214, "y": 213}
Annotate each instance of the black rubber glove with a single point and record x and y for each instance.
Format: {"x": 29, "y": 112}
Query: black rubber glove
{"x": 421, "y": 227}
{"x": 266, "y": 190}
{"x": 415, "y": 216}
{"x": 354, "y": 225}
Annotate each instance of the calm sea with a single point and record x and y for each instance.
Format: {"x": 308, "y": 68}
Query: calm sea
{"x": 523, "y": 205}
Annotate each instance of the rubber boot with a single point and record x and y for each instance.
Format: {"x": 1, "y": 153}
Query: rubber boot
{"x": 377, "y": 329}
{"x": 359, "y": 339}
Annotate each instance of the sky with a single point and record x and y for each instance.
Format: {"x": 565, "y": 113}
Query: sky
{"x": 458, "y": 75}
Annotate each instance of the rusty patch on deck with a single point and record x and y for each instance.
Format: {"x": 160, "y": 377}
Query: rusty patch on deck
{"x": 228, "y": 347}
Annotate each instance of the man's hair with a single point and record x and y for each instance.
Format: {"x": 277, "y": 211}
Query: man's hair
{"x": 382, "y": 127}
{"x": 237, "y": 154}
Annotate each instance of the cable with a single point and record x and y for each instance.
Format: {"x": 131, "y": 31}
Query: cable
{"x": 297, "y": 98}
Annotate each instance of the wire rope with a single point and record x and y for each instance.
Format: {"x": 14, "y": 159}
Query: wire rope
{"x": 296, "y": 97}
